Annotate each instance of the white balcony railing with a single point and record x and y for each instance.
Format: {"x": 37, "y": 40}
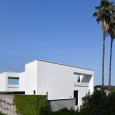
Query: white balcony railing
{"x": 82, "y": 84}
{"x": 13, "y": 86}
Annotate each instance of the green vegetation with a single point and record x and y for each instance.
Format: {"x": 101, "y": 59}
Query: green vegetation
{"x": 67, "y": 112}
{"x": 99, "y": 103}
{"x": 36, "y": 105}
{"x": 31, "y": 104}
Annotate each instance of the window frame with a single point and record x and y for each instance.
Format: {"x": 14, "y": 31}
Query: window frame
{"x": 11, "y": 80}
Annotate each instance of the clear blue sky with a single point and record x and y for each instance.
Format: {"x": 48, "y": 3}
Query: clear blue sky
{"x": 61, "y": 31}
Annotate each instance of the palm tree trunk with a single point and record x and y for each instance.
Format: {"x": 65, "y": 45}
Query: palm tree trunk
{"x": 103, "y": 58}
{"x": 110, "y": 64}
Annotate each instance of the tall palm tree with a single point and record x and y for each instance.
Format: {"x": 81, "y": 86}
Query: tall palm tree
{"x": 112, "y": 35}
{"x": 102, "y": 15}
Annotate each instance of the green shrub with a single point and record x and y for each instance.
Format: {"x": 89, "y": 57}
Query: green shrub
{"x": 99, "y": 103}
{"x": 63, "y": 111}
{"x": 31, "y": 104}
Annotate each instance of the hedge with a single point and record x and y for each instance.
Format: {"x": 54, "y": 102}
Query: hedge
{"x": 31, "y": 104}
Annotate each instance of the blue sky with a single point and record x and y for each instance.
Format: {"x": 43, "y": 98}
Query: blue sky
{"x": 61, "y": 31}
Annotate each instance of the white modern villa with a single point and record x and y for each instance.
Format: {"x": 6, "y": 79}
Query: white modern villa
{"x": 64, "y": 85}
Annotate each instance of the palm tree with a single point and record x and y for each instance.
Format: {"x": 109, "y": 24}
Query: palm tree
{"x": 112, "y": 35}
{"x": 102, "y": 15}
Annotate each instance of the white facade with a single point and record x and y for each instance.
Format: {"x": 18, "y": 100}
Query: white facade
{"x": 58, "y": 81}
{"x": 6, "y": 87}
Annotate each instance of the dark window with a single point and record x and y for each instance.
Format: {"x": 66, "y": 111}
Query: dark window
{"x": 78, "y": 78}
{"x": 13, "y": 80}
{"x": 34, "y": 92}
{"x": 76, "y": 97}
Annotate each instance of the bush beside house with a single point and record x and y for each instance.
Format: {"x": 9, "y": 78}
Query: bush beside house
{"x": 99, "y": 103}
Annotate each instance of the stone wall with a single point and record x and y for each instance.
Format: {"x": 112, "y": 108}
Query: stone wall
{"x": 56, "y": 105}
{"x": 6, "y": 104}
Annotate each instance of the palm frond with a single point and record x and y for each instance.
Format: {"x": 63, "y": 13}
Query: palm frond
{"x": 99, "y": 19}
{"x": 95, "y": 14}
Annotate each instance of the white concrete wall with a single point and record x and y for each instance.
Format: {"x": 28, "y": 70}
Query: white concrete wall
{"x": 22, "y": 81}
{"x": 31, "y": 77}
{"x": 12, "y": 87}
{"x": 4, "y": 86}
{"x": 91, "y": 84}
{"x": 58, "y": 80}
{"x": 3, "y": 82}
{"x": 87, "y": 79}
{"x": 55, "y": 79}
{"x": 85, "y": 85}
{"x": 82, "y": 91}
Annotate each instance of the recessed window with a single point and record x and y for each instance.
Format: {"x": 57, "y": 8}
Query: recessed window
{"x": 13, "y": 80}
{"x": 77, "y": 77}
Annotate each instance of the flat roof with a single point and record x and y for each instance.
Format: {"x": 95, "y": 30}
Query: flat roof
{"x": 58, "y": 64}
